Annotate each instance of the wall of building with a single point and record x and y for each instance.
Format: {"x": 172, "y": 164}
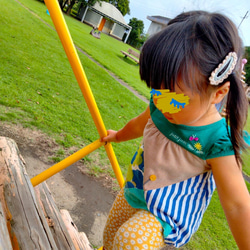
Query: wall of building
{"x": 110, "y": 27}
{"x": 92, "y": 18}
{"x": 107, "y": 27}
{"x": 118, "y": 31}
{"x": 154, "y": 28}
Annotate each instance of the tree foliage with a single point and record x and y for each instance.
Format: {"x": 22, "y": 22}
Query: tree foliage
{"x": 67, "y": 5}
{"x": 121, "y": 5}
{"x": 247, "y": 66}
{"x": 136, "y": 37}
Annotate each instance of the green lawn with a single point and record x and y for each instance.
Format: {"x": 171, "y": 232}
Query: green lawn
{"x": 246, "y": 155}
{"x": 38, "y": 90}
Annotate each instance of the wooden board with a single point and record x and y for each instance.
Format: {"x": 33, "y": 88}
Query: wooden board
{"x": 126, "y": 54}
{"x": 53, "y": 217}
{"x": 29, "y": 217}
{"x": 27, "y": 225}
{"x": 5, "y": 242}
{"x": 80, "y": 240}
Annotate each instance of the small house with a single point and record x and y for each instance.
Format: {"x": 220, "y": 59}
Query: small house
{"x": 107, "y": 19}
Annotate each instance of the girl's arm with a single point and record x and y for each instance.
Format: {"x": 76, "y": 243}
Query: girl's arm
{"x": 133, "y": 129}
{"x": 234, "y": 197}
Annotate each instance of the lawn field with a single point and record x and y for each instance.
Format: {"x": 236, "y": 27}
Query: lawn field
{"x": 38, "y": 90}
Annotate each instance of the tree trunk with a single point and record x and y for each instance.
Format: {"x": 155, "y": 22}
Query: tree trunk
{"x": 70, "y": 7}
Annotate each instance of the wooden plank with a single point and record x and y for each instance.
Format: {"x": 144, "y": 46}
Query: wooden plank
{"x": 29, "y": 218}
{"x": 130, "y": 56}
{"x": 5, "y": 242}
{"x": 124, "y": 53}
{"x": 52, "y": 214}
{"x": 79, "y": 239}
{"x": 134, "y": 53}
{"x": 28, "y": 224}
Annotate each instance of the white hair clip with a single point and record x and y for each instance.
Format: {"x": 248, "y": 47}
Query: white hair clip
{"x": 224, "y": 69}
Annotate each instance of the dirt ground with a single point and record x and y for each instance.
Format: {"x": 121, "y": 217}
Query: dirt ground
{"x": 87, "y": 199}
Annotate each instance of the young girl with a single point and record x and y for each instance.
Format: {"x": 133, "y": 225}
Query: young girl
{"x": 188, "y": 149}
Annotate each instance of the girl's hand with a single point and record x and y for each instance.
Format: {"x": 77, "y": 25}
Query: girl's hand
{"x": 111, "y": 137}
{"x": 133, "y": 129}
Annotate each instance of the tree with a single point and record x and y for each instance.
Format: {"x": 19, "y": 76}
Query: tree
{"x": 71, "y": 3}
{"x": 247, "y": 66}
{"x": 136, "y": 37}
{"x": 121, "y": 5}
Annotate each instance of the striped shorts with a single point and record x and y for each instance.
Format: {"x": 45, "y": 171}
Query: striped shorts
{"x": 130, "y": 228}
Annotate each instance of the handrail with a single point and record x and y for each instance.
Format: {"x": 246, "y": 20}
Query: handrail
{"x": 68, "y": 45}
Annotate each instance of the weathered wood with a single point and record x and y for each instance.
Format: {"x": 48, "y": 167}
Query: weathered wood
{"x": 53, "y": 216}
{"x": 134, "y": 53}
{"x": 131, "y": 54}
{"x": 29, "y": 218}
{"x": 27, "y": 225}
{"x": 5, "y": 242}
{"x": 79, "y": 239}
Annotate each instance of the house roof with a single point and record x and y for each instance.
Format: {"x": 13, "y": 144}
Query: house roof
{"x": 159, "y": 19}
{"x": 110, "y": 11}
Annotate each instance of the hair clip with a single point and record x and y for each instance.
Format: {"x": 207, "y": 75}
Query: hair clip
{"x": 224, "y": 69}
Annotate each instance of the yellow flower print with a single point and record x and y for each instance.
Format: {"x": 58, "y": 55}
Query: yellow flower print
{"x": 198, "y": 146}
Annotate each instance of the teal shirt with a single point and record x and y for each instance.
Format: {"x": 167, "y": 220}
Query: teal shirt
{"x": 206, "y": 142}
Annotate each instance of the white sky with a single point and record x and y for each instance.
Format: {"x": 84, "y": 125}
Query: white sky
{"x": 235, "y": 9}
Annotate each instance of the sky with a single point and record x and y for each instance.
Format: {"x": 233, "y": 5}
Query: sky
{"x": 234, "y": 9}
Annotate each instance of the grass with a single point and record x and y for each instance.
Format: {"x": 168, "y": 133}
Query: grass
{"x": 39, "y": 91}
{"x": 246, "y": 155}
{"x": 214, "y": 232}
{"x": 109, "y": 56}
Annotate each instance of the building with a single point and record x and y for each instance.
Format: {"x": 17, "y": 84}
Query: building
{"x": 107, "y": 18}
{"x": 157, "y": 24}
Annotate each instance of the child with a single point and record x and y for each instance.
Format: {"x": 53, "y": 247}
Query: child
{"x": 187, "y": 146}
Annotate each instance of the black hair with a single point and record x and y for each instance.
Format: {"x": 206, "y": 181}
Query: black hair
{"x": 190, "y": 48}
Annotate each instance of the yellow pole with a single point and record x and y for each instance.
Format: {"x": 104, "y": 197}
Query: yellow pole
{"x": 64, "y": 35}
{"x": 114, "y": 163}
{"x": 66, "y": 162}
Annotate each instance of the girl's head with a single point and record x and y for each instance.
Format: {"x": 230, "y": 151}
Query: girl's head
{"x": 187, "y": 51}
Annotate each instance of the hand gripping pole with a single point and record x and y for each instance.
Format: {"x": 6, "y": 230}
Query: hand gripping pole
{"x": 67, "y": 42}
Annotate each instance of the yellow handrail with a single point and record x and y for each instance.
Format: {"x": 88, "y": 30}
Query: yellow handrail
{"x": 66, "y": 162}
{"x": 66, "y": 40}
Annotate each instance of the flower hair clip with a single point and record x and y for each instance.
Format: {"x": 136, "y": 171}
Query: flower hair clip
{"x": 224, "y": 69}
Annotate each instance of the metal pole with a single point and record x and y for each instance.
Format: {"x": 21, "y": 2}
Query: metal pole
{"x": 67, "y": 42}
{"x": 66, "y": 162}
{"x": 243, "y": 19}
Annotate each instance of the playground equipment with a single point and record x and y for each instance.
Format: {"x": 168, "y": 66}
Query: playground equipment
{"x": 29, "y": 218}
{"x": 66, "y": 40}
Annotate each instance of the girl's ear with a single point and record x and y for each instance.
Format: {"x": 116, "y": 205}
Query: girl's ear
{"x": 220, "y": 93}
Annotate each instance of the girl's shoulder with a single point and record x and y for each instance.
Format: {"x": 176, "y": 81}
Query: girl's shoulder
{"x": 209, "y": 141}
{"x": 223, "y": 146}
